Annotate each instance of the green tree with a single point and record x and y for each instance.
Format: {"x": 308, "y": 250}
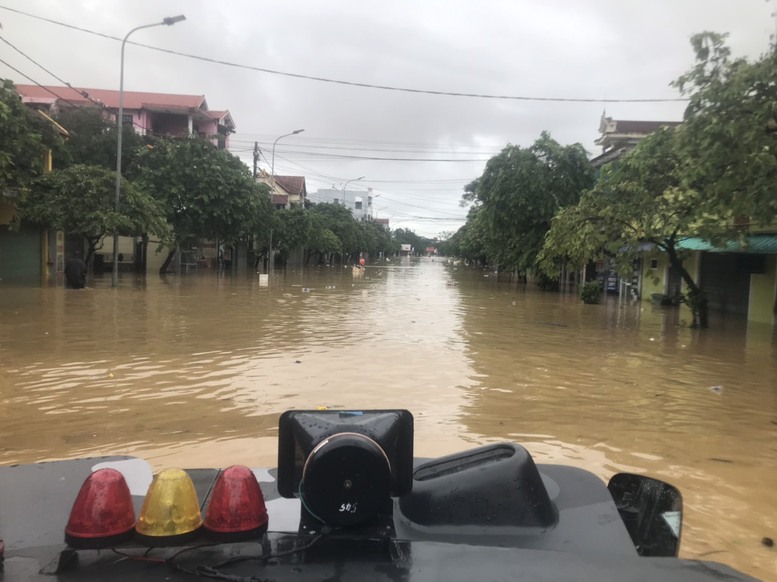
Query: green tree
{"x": 518, "y": 194}
{"x": 207, "y": 193}
{"x": 24, "y": 138}
{"x": 291, "y": 230}
{"x": 81, "y": 200}
{"x": 407, "y": 236}
{"x": 729, "y": 137}
{"x": 339, "y": 221}
{"x": 92, "y": 141}
{"x": 322, "y": 242}
{"x": 704, "y": 179}
{"x": 640, "y": 199}
{"x": 375, "y": 238}
{"x": 466, "y": 243}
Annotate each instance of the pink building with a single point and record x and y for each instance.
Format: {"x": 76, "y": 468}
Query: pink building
{"x": 158, "y": 114}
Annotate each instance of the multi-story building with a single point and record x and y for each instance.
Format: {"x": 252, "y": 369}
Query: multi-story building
{"x": 620, "y": 136}
{"x": 358, "y": 202}
{"x": 157, "y": 114}
{"x": 150, "y": 114}
{"x": 286, "y": 191}
{"x": 739, "y": 279}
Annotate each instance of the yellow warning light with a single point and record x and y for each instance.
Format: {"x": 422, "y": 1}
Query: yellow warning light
{"x": 171, "y": 512}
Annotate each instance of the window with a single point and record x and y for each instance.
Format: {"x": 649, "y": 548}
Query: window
{"x": 358, "y": 205}
{"x": 337, "y": 201}
{"x": 653, "y": 264}
{"x": 126, "y": 119}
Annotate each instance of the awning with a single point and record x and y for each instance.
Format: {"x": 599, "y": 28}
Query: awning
{"x": 758, "y": 244}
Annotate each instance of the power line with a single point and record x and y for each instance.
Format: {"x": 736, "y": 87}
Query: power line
{"x": 41, "y": 86}
{"x": 33, "y": 61}
{"x": 81, "y": 92}
{"x": 316, "y": 155}
{"x": 322, "y": 145}
{"x": 354, "y": 83}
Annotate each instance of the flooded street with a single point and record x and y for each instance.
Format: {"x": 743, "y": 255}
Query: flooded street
{"x": 194, "y": 371}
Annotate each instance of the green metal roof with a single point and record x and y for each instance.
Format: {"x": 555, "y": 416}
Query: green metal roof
{"x": 759, "y": 244}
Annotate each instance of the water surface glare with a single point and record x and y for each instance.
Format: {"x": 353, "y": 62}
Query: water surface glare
{"x": 194, "y": 372}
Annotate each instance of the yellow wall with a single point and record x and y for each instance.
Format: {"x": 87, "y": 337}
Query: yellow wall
{"x": 763, "y": 291}
{"x": 654, "y": 280}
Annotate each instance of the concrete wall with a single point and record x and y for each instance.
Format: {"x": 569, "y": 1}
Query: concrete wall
{"x": 654, "y": 280}
{"x": 763, "y": 293}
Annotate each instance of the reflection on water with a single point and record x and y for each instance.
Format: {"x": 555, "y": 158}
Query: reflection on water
{"x": 195, "y": 371}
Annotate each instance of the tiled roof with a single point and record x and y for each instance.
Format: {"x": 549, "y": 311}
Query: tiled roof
{"x": 641, "y": 127}
{"x": 765, "y": 244}
{"x": 110, "y": 98}
{"x": 280, "y": 198}
{"x": 292, "y": 184}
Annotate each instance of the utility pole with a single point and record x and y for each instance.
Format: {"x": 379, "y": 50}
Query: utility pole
{"x": 256, "y": 158}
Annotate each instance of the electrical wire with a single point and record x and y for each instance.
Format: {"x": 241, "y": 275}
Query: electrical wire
{"x": 355, "y": 83}
{"x": 316, "y": 155}
{"x": 54, "y": 93}
{"x": 29, "y": 58}
{"x": 328, "y": 178}
{"x": 327, "y": 144}
{"x": 41, "y": 86}
{"x": 214, "y": 571}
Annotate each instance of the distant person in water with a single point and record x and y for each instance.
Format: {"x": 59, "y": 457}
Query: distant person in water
{"x": 75, "y": 272}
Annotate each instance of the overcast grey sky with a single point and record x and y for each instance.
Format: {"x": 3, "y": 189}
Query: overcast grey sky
{"x": 591, "y": 49}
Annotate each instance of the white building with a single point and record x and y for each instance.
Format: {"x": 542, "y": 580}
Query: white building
{"x": 359, "y": 202}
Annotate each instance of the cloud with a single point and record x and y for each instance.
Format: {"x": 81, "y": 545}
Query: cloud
{"x": 596, "y": 49}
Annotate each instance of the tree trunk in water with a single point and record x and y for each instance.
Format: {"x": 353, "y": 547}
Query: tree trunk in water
{"x": 163, "y": 268}
{"x": 91, "y": 247}
{"x": 695, "y": 298}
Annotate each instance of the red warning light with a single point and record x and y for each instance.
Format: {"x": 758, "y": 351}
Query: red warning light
{"x": 236, "y": 510}
{"x": 102, "y": 515}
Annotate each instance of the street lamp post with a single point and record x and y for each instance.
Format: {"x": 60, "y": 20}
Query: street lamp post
{"x": 272, "y": 167}
{"x": 169, "y": 21}
{"x": 270, "y": 253}
{"x": 370, "y": 200}
{"x": 346, "y": 186}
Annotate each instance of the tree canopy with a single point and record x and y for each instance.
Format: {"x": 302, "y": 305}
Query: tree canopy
{"x": 24, "y": 138}
{"x": 92, "y": 141}
{"x": 206, "y": 192}
{"x": 337, "y": 219}
{"x": 707, "y": 178}
{"x": 729, "y": 134}
{"x": 517, "y": 196}
{"x": 81, "y": 200}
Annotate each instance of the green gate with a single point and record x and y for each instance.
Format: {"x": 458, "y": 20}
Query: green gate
{"x": 20, "y": 255}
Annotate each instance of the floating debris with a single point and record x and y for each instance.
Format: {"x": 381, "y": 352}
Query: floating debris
{"x": 716, "y": 389}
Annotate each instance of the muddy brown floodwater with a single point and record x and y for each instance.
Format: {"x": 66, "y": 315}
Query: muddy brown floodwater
{"x": 194, "y": 372}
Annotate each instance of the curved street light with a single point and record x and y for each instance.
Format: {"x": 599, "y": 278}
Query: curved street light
{"x": 271, "y": 252}
{"x": 348, "y": 182}
{"x": 168, "y": 21}
{"x": 272, "y": 168}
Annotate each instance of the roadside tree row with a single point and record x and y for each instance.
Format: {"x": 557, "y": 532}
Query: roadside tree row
{"x": 711, "y": 177}
{"x": 175, "y": 191}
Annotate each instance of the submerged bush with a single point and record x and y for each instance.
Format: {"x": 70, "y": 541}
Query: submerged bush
{"x": 591, "y": 292}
